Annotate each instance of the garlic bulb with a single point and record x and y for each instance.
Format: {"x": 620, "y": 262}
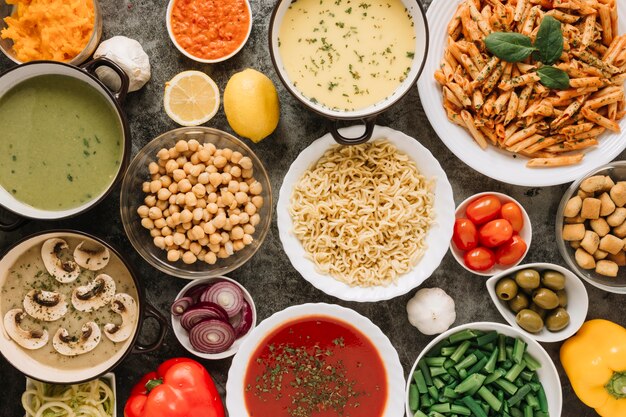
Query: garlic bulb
{"x": 431, "y": 310}
{"x": 130, "y": 56}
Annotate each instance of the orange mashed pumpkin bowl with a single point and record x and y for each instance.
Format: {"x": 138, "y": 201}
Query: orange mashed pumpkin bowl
{"x": 210, "y": 29}
{"x": 58, "y": 30}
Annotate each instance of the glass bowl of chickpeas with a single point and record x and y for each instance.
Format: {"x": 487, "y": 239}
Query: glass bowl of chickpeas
{"x": 196, "y": 202}
{"x": 591, "y": 227}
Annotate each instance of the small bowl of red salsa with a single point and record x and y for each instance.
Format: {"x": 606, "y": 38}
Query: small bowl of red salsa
{"x": 209, "y": 31}
{"x": 317, "y": 360}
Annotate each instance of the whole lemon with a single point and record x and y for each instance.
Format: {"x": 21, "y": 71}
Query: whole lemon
{"x": 251, "y": 104}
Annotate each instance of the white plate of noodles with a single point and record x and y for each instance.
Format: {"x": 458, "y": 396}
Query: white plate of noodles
{"x": 367, "y": 222}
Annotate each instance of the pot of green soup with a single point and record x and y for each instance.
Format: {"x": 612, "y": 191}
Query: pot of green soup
{"x": 65, "y": 139}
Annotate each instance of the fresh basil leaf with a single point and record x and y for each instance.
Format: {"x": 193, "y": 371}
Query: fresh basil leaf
{"x": 553, "y": 77}
{"x": 509, "y": 46}
{"x": 549, "y": 42}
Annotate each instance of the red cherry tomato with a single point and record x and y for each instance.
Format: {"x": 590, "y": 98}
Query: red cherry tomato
{"x": 511, "y": 251}
{"x": 465, "y": 236}
{"x": 513, "y": 213}
{"x": 479, "y": 259}
{"x": 483, "y": 209}
{"x": 495, "y": 233}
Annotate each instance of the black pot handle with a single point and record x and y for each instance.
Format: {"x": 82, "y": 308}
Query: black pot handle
{"x": 10, "y": 226}
{"x": 163, "y": 326}
{"x": 367, "y": 135}
{"x": 91, "y": 66}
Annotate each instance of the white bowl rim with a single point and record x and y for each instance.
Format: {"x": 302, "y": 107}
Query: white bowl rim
{"x": 438, "y": 236}
{"x": 182, "y": 50}
{"x": 178, "y": 330}
{"x": 545, "y": 335}
{"x": 500, "y": 328}
{"x": 389, "y": 356}
{"x": 527, "y": 230}
{"x": 558, "y": 224}
{"x": 499, "y": 165}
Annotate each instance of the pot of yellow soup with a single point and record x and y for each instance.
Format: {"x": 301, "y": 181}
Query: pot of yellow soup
{"x": 348, "y": 59}
{"x": 65, "y": 139}
{"x": 71, "y": 308}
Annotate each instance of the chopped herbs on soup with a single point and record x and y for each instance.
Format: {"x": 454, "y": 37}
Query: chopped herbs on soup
{"x": 61, "y": 144}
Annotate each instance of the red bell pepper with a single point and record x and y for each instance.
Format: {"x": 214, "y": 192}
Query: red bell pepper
{"x": 180, "y": 387}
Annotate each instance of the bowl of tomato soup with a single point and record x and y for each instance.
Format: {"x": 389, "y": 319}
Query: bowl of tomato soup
{"x": 209, "y": 31}
{"x": 318, "y": 360}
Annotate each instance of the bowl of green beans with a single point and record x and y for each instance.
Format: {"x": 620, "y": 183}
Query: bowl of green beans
{"x": 483, "y": 369}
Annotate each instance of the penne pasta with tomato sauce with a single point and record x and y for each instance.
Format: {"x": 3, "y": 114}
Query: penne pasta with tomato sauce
{"x": 511, "y": 105}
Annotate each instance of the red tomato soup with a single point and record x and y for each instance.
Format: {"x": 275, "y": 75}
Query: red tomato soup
{"x": 316, "y": 366}
{"x": 210, "y": 29}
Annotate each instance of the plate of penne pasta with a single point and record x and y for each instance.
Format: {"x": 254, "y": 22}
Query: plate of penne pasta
{"x": 528, "y": 92}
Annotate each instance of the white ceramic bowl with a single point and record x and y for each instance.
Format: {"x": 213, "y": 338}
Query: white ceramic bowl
{"x": 437, "y": 240}
{"x": 577, "y": 302}
{"x": 109, "y": 378}
{"x": 526, "y": 233}
{"x": 492, "y": 162}
{"x": 235, "y": 401}
{"x": 183, "y": 336}
{"x": 548, "y": 375}
{"x": 168, "y": 20}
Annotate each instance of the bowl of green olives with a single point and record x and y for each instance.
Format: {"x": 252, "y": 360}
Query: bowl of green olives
{"x": 545, "y": 301}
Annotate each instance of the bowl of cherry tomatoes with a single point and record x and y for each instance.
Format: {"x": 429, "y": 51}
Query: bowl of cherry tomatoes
{"x": 492, "y": 233}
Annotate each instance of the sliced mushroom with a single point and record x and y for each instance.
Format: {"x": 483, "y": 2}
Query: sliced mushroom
{"x": 28, "y": 339}
{"x": 45, "y": 305}
{"x": 126, "y": 306}
{"x": 91, "y": 256}
{"x": 72, "y": 345}
{"x": 94, "y": 295}
{"x": 63, "y": 271}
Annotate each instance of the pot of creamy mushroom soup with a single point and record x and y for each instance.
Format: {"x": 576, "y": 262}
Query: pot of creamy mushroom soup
{"x": 71, "y": 307}
{"x": 348, "y": 60}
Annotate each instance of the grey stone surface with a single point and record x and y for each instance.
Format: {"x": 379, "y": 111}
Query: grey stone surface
{"x": 269, "y": 276}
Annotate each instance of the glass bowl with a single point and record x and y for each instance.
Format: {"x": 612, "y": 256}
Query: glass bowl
{"x": 132, "y": 197}
{"x": 6, "y": 45}
{"x": 617, "y": 171}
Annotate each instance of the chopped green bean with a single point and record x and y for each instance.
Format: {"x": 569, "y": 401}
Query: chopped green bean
{"x": 491, "y": 399}
{"x": 450, "y": 393}
{"x": 435, "y": 414}
{"x": 413, "y": 398}
{"x": 532, "y": 401}
{"x": 454, "y": 373}
{"x": 490, "y": 366}
{"x": 507, "y": 364}
{"x": 543, "y": 400}
{"x": 418, "y": 413}
{"x": 514, "y": 372}
{"x": 436, "y": 371}
{"x": 418, "y": 377}
{"x": 478, "y": 353}
{"x": 497, "y": 374}
{"x": 478, "y": 366}
{"x": 531, "y": 362}
{"x": 435, "y": 361}
{"x": 424, "y": 368}
{"x": 526, "y": 375}
{"x": 468, "y": 361}
{"x": 466, "y": 334}
{"x": 460, "y": 351}
{"x": 509, "y": 352}
{"x": 474, "y": 381}
{"x": 476, "y": 409}
{"x": 535, "y": 386}
{"x": 448, "y": 350}
{"x": 434, "y": 394}
{"x": 463, "y": 374}
{"x": 438, "y": 383}
{"x": 487, "y": 338}
{"x": 519, "y": 395}
{"x": 506, "y": 385}
{"x": 501, "y": 348}
{"x": 425, "y": 401}
{"x": 441, "y": 408}
{"x": 528, "y": 411}
{"x": 516, "y": 412}
{"x": 459, "y": 409}
{"x": 518, "y": 350}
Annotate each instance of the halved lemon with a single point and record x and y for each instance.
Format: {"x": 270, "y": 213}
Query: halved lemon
{"x": 191, "y": 98}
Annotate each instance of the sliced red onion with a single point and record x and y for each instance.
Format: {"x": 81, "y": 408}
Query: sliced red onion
{"x": 181, "y": 305}
{"x": 202, "y": 311}
{"x": 212, "y": 336}
{"x": 196, "y": 291}
{"x": 226, "y": 294}
{"x": 245, "y": 323}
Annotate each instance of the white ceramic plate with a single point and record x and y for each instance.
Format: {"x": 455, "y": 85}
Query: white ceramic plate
{"x": 437, "y": 240}
{"x": 235, "y": 402}
{"x": 183, "y": 336}
{"x": 494, "y": 163}
{"x": 109, "y": 378}
{"x": 526, "y": 233}
{"x": 577, "y": 302}
{"x": 548, "y": 375}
